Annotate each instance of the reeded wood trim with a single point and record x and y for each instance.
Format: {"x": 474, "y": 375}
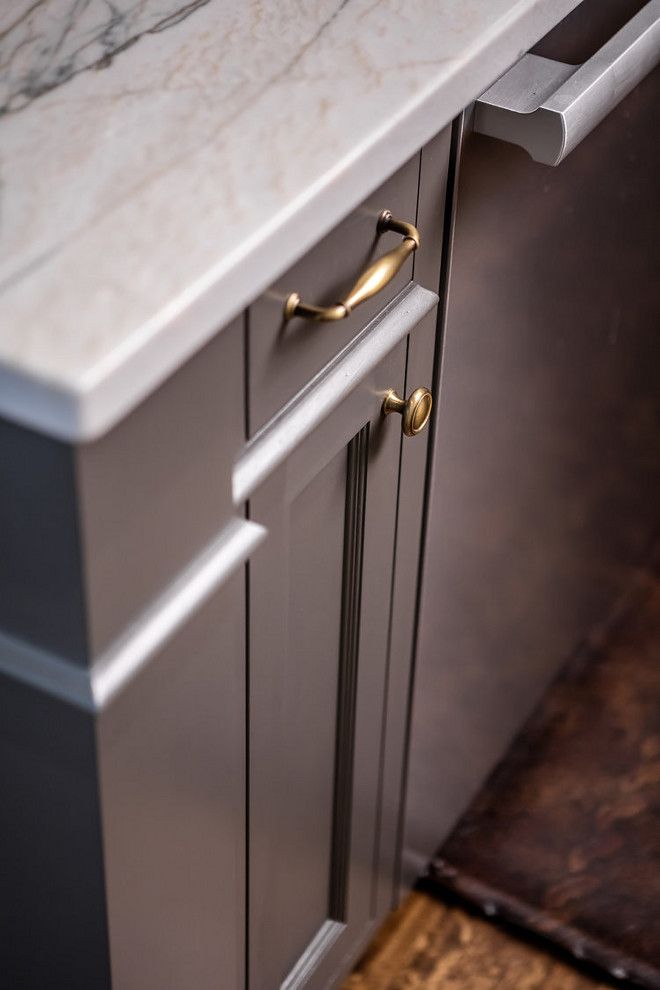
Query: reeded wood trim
{"x": 349, "y": 647}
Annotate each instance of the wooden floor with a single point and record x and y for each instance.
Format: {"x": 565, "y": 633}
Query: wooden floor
{"x": 430, "y": 945}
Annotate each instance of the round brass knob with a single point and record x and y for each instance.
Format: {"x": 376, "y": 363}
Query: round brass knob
{"x": 415, "y": 410}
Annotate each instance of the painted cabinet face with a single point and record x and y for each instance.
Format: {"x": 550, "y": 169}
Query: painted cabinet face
{"x": 319, "y": 592}
{"x": 332, "y": 596}
{"x": 546, "y": 463}
{"x": 171, "y": 755}
{"x": 235, "y": 760}
{"x": 122, "y": 753}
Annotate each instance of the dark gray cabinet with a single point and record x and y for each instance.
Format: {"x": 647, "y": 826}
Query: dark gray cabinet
{"x": 332, "y": 591}
{"x": 546, "y": 464}
{"x": 171, "y": 766}
{"x": 211, "y": 610}
{"x": 122, "y": 737}
{"x": 210, "y": 615}
{"x": 332, "y": 595}
{"x": 91, "y": 534}
{"x": 123, "y": 842}
{"x": 320, "y": 592}
{"x": 319, "y": 601}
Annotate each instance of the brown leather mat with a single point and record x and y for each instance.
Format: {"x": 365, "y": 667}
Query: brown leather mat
{"x": 564, "y": 839}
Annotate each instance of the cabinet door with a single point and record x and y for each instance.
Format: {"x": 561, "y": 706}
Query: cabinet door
{"x": 546, "y": 463}
{"x": 320, "y": 591}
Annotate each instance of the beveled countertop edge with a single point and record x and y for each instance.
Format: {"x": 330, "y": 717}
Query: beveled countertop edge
{"x": 82, "y": 410}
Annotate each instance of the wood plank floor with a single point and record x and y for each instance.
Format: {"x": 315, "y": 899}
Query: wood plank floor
{"x": 435, "y": 946}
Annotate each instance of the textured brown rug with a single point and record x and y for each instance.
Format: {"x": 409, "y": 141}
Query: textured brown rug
{"x": 565, "y": 837}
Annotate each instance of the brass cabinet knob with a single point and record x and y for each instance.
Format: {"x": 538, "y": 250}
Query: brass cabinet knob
{"x": 415, "y": 410}
{"x": 370, "y": 282}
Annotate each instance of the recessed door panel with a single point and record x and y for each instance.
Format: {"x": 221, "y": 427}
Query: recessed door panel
{"x": 320, "y": 590}
{"x": 301, "y": 695}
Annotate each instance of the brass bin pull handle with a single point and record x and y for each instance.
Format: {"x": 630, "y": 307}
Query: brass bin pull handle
{"x": 371, "y": 281}
{"x": 415, "y": 410}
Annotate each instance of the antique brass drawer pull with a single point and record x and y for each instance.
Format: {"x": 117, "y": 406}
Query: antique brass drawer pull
{"x": 415, "y": 410}
{"x": 371, "y": 281}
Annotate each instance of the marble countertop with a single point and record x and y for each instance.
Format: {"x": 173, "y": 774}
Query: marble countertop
{"x": 162, "y": 161}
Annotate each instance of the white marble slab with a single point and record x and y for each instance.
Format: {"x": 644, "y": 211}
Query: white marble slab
{"x": 161, "y": 162}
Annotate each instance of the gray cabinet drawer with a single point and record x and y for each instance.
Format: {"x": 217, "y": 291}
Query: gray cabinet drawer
{"x": 283, "y": 356}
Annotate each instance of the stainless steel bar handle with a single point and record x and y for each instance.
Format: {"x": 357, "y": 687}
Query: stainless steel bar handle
{"x": 548, "y": 107}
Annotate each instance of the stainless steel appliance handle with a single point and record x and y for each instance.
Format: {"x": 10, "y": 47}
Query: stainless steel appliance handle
{"x": 548, "y": 107}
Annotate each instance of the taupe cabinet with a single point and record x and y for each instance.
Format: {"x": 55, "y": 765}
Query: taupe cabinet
{"x": 209, "y": 616}
{"x": 206, "y": 639}
{"x": 327, "y": 698}
{"x": 319, "y": 594}
{"x": 544, "y": 494}
{"x": 122, "y": 735}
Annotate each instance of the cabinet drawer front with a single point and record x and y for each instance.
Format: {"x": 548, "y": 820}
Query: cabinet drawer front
{"x": 284, "y": 355}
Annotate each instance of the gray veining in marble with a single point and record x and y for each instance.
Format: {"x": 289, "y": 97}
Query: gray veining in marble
{"x": 46, "y": 42}
{"x": 162, "y": 161}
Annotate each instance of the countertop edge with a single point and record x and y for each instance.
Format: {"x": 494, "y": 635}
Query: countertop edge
{"x": 80, "y": 412}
